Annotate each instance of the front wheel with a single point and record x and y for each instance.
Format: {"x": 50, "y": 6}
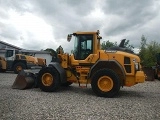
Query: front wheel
{"x": 48, "y": 79}
{"x": 18, "y": 67}
{"x": 105, "y": 83}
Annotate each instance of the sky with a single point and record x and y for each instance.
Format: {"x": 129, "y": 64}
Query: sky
{"x": 41, "y": 24}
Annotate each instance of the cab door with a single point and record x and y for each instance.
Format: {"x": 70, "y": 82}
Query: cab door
{"x": 83, "y": 47}
{"x": 10, "y": 57}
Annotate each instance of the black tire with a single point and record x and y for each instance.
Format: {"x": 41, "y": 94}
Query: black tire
{"x": 34, "y": 77}
{"x": 15, "y": 67}
{"x": 66, "y": 84}
{"x": 54, "y": 82}
{"x": 113, "y": 83}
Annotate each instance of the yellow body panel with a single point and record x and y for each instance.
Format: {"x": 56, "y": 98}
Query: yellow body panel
{"x": 91, "y": 59}
{"x": 64, "y": 60}
{"x": 131, "y": 79}
{"x": 4, "y": 65}
{"x": 140, "y": 77}
{"x": 41, "y": 61}
{"x": 31, "y": 59}
{"x": 28, "y": 58}
{"x": 70, "y": 76}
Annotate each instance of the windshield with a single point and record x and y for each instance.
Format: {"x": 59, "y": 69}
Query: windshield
{"x": 9, "y": 53}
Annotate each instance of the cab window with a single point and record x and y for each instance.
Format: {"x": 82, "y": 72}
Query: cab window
{"x": 83, "y": 46}
{"x": 9, "y": 53}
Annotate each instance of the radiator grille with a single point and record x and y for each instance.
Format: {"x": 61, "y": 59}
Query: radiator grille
{"x": 127, "y": 64}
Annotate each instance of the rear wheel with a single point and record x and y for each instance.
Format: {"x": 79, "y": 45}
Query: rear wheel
{"x": 48, "y": 79}
{"x": 18, "y": 67}
{"x": 105, "y": 83}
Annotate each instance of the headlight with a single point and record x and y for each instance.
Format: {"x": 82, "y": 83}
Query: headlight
{"x": 136, "y": 66}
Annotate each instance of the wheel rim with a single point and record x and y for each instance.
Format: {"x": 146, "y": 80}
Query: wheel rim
{"x": 105, "y": 83}
{"x": 19, "y": 68}
{"x": 47, "y": 79}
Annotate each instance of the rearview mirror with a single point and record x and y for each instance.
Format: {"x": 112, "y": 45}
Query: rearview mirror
{"x": 69, "y": 37}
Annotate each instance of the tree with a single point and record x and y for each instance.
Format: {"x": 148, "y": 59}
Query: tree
{"x": 109, "y": 44}
{"x": 142, "y": 53}
{"x": 52, "y": 52}
{"x": 153, "y": 49}
{"x": 148, "y": 52}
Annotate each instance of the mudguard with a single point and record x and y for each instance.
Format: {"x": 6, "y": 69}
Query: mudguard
{"x": 61, "y": 71}
{"x": 107, "y": 63}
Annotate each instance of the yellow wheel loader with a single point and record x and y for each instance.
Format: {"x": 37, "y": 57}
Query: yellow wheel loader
{"x": 2, "y": 64}
{"x": 17, "y": 62}
{"x": 106, "y": 70}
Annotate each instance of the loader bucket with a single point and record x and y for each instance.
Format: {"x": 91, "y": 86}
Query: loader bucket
{"x": 149, "y": 72}
{"x": 24, "y": 80}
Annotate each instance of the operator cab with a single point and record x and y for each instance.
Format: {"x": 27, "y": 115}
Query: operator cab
{"x": 84, "y": 44}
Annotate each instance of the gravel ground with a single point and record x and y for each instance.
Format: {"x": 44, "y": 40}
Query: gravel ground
{"x": 140, "y": 102}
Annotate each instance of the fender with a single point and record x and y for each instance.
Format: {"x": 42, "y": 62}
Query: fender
{"x": 61, "y": 71}
{"x": 100, "y": 64}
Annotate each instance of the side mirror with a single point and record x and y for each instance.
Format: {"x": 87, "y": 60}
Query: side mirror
{"x": 69, "y": 37}
{"x": 99, "y": 37}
